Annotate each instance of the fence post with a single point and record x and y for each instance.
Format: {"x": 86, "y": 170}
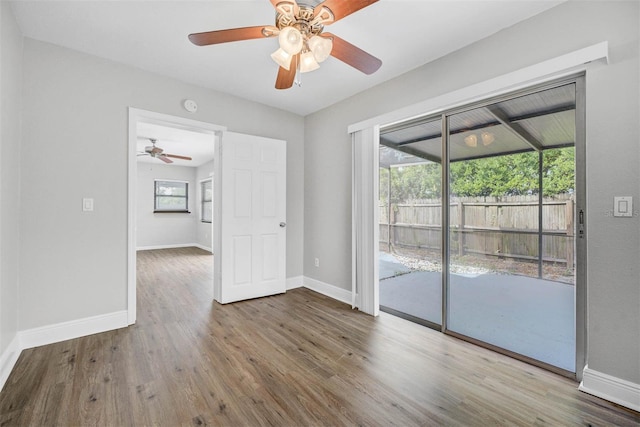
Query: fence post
{"x": 570, "y": 234}
{"x": 460, "y": 228}
{"x": 392, "y": 228}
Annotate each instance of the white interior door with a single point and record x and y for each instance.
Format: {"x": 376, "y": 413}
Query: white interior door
{"x": 251, "y": 195}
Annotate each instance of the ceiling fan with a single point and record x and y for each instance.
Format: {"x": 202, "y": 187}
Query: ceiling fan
{"x": 158, "y": 153}
{"x": 299, "y": 27}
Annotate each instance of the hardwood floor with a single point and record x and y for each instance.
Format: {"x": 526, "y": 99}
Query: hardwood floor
{"x": 296, "y": 359}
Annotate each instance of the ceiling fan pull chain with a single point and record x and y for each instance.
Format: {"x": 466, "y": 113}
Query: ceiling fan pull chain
{"x": 298, "y": 78}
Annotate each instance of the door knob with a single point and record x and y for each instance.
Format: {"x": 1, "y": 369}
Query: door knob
{"x": 283, "y": 224}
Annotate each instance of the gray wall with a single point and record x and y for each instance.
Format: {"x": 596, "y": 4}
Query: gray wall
{"x": 75, "y": 109}
{"x": 10, "y": 106}
{"x": 613, "y": 154}
{"x": 165, "y": 229}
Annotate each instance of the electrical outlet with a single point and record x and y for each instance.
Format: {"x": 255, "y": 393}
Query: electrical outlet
{"x": 316, "y": 262}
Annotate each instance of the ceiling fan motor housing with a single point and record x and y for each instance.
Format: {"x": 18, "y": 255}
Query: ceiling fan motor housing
{"x": 303, "y": 18}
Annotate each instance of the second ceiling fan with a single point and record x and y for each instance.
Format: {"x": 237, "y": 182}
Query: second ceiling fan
{"x": 303, "y": 44}
{"x": 158, "y": 153}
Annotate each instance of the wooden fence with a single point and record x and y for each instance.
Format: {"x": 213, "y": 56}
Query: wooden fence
{"x": 505, "y": 227}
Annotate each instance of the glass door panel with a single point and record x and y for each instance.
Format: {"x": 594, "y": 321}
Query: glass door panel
{"x": 511, "y": 225}
{"x": 410, "y": 203}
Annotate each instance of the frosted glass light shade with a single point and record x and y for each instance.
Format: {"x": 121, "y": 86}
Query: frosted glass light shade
{"x": 308, "y": 62}
{"x": 321, "y": 47}
{"x": 471, "y": 140}
{"x": 290, "y": 40}
{"x": 282, "y": 58}
{"x": 487, "y": 138}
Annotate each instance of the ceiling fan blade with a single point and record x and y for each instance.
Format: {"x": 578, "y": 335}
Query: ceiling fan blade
{"x": 342, "y": 8}
{"x": 231, "y": 35}
{"x": 164, "y": 158}
{"x": 353, "y": 55}
{"x": 175, "y": 156}
{"x": 286, "y": 77}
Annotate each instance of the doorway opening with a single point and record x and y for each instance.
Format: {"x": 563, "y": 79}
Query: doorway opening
{"x": 169, "y": 157}
{"x": 480, "y": 223}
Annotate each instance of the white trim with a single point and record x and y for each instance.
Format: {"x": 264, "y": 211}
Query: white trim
{"x": 610, "y": 388}
{"x": 136, "y": 115}
{"x": 172, "y": 246}
{"x": 294, "y": 282}
{"x": 331, "y": 291}
{"x": 203, "y": 247}
{"x": 73, "y": 329}
{"x": 365, "y": 219}
{"x": 539, "y": 73}
{"x": 8, "y": 360}
{"x": 201, "y": 201}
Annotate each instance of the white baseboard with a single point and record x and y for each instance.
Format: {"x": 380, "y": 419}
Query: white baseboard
{"x": 610, "y": 388}
{"x": 294, "y": 282}
{"x": 73, "y": 329}
{"x": 204, "y": 248}
{"x": 174, "y": 246}
{"x": 8, "y": 360}
{"x": 328, "y": 290}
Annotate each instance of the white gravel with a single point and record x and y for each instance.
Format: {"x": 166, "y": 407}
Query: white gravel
{"x": 426, "y": 265}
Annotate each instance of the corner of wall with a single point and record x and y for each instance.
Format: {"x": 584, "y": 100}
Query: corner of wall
{"x": 610, "y": 388}
{"x": 73, "y": 329}
{"x": 327, "y": 289}
{"x": 294, "y": 282}
{"x": 8, "y": 360}
{"x": 56, "y": 333}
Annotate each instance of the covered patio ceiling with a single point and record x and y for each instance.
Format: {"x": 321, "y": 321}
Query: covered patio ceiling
{"x": 533, "y": 122}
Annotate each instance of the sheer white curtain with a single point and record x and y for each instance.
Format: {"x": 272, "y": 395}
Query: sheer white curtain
{"x": 365, "y": 219}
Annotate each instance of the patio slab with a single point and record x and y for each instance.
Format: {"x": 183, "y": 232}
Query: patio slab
{"x": 389, "y": 266}
{"x": 526, "y": 315}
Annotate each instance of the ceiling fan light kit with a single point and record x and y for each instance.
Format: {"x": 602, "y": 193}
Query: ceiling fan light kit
{"x": 290, "y": 40}
{"x": 308, "y": 62}
{"x": 282, "y": 58}
{"x": 321, "y": 47}
{"x": 302, "y": 45}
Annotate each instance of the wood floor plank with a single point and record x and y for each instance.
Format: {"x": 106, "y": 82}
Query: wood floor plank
{"x": 298, "y": 359}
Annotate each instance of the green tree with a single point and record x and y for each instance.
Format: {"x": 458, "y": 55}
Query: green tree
{"x": 514, "y": 174}
{"x": 558, "y": 172}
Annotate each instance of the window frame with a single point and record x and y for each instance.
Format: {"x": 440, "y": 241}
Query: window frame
{"x": 156, "y": 195}
{"x": 203, "y": 200}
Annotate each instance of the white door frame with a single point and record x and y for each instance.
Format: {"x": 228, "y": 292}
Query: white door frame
{"x": 137, "y": 115}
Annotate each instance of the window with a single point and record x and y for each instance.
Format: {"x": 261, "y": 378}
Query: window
{"x": 171, "y": 196}
{"x": 206, "y": 194}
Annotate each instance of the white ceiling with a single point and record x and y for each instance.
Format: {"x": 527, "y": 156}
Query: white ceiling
{"x": 194, "y": 143}
{"x": 152, "y": 35}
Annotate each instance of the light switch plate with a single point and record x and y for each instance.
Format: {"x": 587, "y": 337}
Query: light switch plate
{"x": 87, "y": 205}
{"x": 623, "y": 206}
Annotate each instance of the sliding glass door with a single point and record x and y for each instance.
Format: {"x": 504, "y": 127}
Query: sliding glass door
{"x": 491, "y": 215}
{"x": 411, "y": 221}
{"x": 511, "y": 256}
